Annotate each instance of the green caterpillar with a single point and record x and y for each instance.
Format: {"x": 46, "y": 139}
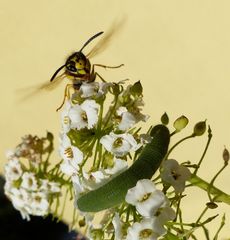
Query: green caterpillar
{"x": 113, "y": 192}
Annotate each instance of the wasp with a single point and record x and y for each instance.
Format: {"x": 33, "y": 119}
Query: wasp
{"x": 79, "y": 69}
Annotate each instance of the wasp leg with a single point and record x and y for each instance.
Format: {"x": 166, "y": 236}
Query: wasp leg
{"x": 66, "y": 95}
{"x": 104, "y": 66}
{"x": 102, "y": 79}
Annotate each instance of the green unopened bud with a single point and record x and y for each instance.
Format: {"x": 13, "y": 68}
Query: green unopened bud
{"x": 136, "y": 89}
{"x": 165, "y": 119}
{"x": 226, "y": 156}
{"x": 49, "y": 136}
{"x": 211, "y": 205}
{"x": 116, "y": 89}
{"x": 81, "y": 222}
{"x": 180, "y": 123}
{"x": 199, "y": 128}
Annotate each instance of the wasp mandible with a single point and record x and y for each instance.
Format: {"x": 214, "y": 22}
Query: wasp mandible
{"x": 79, "y": 69}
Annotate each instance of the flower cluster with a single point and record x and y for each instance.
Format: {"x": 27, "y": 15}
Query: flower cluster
{"x": 26, "y": 186}
{"x": 98, "y": 142}
{"x": 111, "y": 136}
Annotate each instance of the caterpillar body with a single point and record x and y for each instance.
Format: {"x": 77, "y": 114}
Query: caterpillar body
{"x": 113, "y": 192}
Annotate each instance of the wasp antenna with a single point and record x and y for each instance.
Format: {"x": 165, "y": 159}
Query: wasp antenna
{"x": 96, "y": 35}
{"x": 56, "y": 72}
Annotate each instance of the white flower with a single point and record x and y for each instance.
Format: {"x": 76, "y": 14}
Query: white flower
{"x": 175, "y": 174}
{"x": 165, "y": 213}
{"x": 117, "y": 224}
{"x": 147, "y": 229}
{"x": 71, "y": 155}
{"x": 84, "y": 115}
{"x": 128, "y": 119}
{"x": 119, "y": 144}
{"x": 93, "y": 180}
{"x": 13, "y": 170}
{"x": 118, "y": 167}
{"x": 78, "y": 185}
{"x": 94, "y": 89}
{"x": 20, "y": 200}
{"x": 65, "y": 119}
{"x": 50, "y": 187}
{"x": 145, "y": 197}
{"x": 10, "y": 154}
{"x": 29, "y": 181}
{"x": 145, "y": 138}
{"x": 39, "y": 204}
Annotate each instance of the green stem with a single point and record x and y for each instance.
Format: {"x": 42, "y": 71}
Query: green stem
{"x": 205, "y": 150}
{"x": 217, "y": 193}
{"x": 176, "y": 144}
{"x": 219, "y": 229}
{"x": 111, "y": 111}
{"x": 213, "y": 180}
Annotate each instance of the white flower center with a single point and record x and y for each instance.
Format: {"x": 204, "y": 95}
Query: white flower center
{"x": 118, "y": 142}
{"x": 38, "y": 199}
{"x": 66, "y": 120}
{"x": 69, "y": 152}
{"x": 145, "y": 234}
{"x": 84, "y": 116}
{"x": 30, "y": 182}
{"x": 175, "y": 175}
{"x": 145, "y": 197}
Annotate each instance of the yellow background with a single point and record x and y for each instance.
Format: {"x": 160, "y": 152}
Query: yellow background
{"x": 180, "y": 50}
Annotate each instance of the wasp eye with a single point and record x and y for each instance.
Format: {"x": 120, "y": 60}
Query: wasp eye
{"x": 71, "y": 66}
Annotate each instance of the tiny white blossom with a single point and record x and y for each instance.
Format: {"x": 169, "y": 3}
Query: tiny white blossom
{"x": 119, "y": 144}
{"x": 117, "y": 224}
{"x": 29, "y": 181}
{"x": 65, "y": 119}
{"x": 165, "y": 213}
{"x": 13, "y": 170}
{"x": 147, "y": 229}
{"x": 175, "y": 174}
{"x": 128, "y": 119}
{"x": 20, "y": 200}
{"x": 84, "y": 115}
{"x": 78, "y": 185}
{"x": 50, "y": 187}
{"x": 118, "y": 167}
{"x": 71, "y": 155}
{"x": 10, "y": 154}
{"x": 93, "y": 180}
{"x": 145, "y": 197}
{"x": 39, "y": 204}
{"x": 145, "y": 138}
{"x": 94, "y": 89}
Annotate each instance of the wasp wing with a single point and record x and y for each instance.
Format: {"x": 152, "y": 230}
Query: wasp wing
{"x": 32, "y": 91}
{"x": 105, "y": 40}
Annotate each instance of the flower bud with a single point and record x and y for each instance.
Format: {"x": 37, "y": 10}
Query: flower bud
{"x": 211, "y": 205}
{"x": 199, "y": 128}
{"x": 226, "y": 155}
{"x": 81, "y": 222}
{"x": 136, "y": 89}
{"x": 180, "y": 123}
{"x": 116, "y": 89}
{"x": 165, "y": 119}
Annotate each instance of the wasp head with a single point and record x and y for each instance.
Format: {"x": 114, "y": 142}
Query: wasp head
{"x": 77, "y": 64}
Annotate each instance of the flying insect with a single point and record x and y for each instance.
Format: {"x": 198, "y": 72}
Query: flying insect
{"x": 79, "y": 69}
